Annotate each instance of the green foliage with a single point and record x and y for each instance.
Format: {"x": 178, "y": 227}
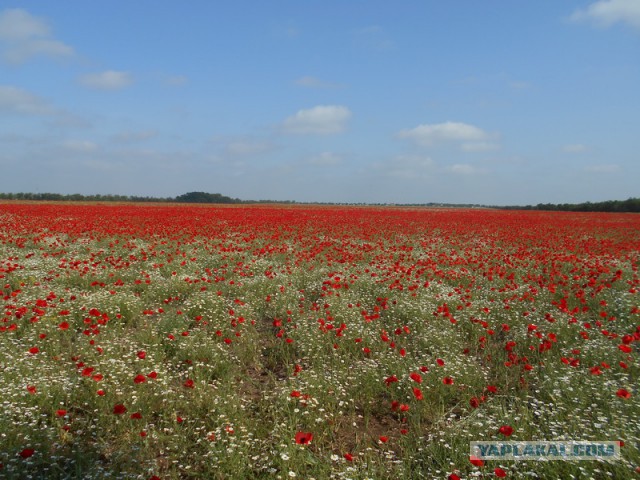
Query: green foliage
{"x": 628, "y": 205}
{"x": 203, "y": 197}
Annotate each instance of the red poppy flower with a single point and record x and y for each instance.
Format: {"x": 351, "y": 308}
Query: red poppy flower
{"x": 416, "y": 377}
{"x": 189, "y": 383}
{"x": 447, "y": 381}
{"x": 139, "y": 379}
{"x": 506, "y": 430}
{"x": 500, "y": 473}
{"x": 475, "y": 461}
{"x": 34, "y": 350}
{"x": 440, "y": 362}
{"x": 100, "y": 392}
{"x": 348, "y": 457}
{"x": 623, "y": 393}
{"x": 152, "y": 375}
{"x": 474, "y": 402}
{"x": 453, "y": 476}
{"x": 141, "y": 354}
{"x": 304, "y": 438}
{"x": 295, "y": 394}
{"x": 31, "y": 389}
{"x": 27, "y": 452}
{"x": 383, "y": 439}
{"x": 63, "y": 326}
{"x": 418, "y": 394}
{"x": 391, "y": 380}
{"x": 61, "y": 413}
{"x": 119, "y": 409}
{"x": 136, "y": 416}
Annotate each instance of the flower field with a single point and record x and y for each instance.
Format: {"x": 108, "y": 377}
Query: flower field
{"x": 171, "y": 342}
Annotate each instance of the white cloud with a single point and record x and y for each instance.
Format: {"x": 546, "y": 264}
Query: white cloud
{"x": 326, "y": 159}
{"x": 18, "y": 24}
{"x": 430, "y": 134}
{"x": 109, "y": 80}
{"x": 17, "y": 100}
{"x": 25, "y": 36}
{"x": 604, "y": 168}
{"x": 574, "y": 148}
{"x": 320, "y": 120}
{"x": 314, "y": 82}
{"x": 605, "y": 13}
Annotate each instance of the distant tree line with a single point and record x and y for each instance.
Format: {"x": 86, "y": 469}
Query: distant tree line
{"x": 191, "y": 197}
{"x": 203, "y": 197}
{"x": 629, "y": 205}
{"x": 76, "y": 197}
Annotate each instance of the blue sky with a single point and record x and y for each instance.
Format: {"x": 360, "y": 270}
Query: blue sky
{"x": 371, "y": 101}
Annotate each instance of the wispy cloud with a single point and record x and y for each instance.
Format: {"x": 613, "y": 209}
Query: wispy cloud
{"x": 108, "y": 80}
{"x": 23, "y": 36}
{"x": 18, "y": 100}
{"x": 465, "y": 169}
{"x": 409, "y": 167}
{"x": 373, "y": 37}
{"x": 177, "y": 80}
{"x": 605, "y": 13}
{"x": 80, "y": 146}
{"x": 574, "y": 148}
{"x": 325, "y": 159}
{"x": 603, "y": 168}
{"x": 134, "y": 136}
{"x": 479, "y": 147}
{"x": 519, "y": 85}
{"x": 248, "y": 147}
{"x": 320, "y": 120}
